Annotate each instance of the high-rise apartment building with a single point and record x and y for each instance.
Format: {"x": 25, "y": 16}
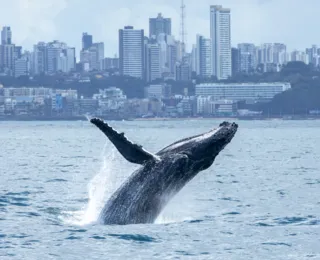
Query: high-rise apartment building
{"x": 153, "y": 59}
{"x": 89, "y": 59}
{"x": 86, "y": 41}
{"x": 53, "y": 51}
{"x": 7, "y": 50}
{"x": 69, "y": 55}
{"x": 52, "y": 57}
{"x": 203, "y": 57}
{"x": 159, "y": 25}
{"x": 17, "y": 52}
{"x": 220, "y": 41}
{"x": 131, "y": 52}
{"x": 110, "y": 63}
{"x": 280, "y": 51}
{"x": 99, "y": 48}
{"x": 7, "y": 56}
{"x": 194, "y": 58}
{"x": 235, "y": 61}
{"x": 39, "y": 64}
{"x": 265, "y": 53}
{"x": 247, "y": 57}
{"x": 21, "y": 67}
{"x": 6, "y": 35}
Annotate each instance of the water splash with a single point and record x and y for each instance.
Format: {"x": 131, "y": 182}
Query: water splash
{"x": 99, "y": 188}
{"x": 174, "y": 211}
{"x": 88, "y": 117}
{"x": 167, "y": 218}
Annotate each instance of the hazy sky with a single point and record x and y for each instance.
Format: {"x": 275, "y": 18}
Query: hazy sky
{"x": 294, "y": 22}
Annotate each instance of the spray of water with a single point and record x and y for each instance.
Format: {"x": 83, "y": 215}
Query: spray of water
{"x": 99, "y": 188}
{"x": 173, "y": 211}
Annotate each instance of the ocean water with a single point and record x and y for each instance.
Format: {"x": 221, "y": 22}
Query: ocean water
{"x": 260, "y": 199}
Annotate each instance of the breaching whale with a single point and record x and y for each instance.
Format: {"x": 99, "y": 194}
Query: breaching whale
{"x": 141, "y": 198}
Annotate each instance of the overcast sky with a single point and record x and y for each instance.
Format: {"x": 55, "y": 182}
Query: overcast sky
{"x": 294, "y": 22}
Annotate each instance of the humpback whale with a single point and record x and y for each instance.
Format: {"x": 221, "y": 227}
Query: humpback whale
{"x": 141, "y": 198}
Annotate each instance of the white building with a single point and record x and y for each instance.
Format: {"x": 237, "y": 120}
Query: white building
{"x": 110, "y": 93}
{"x": 203, "y": 104}
{"x": 131, "y": 52}
{"x": 172, "y": 58}
{"x": 154, "y": 91}
{"x": 299, "y": 56}
{"x": 39, "y": 61}
{"x": 92, "y": 57}
{"x": 158, "y": 91}
{"x": 247, "y": 57}
{"x": 109, "y": 99}
{"x": 21, "y": 67}
{"x": 89, "y": 59}
{"x": 70, "y": 54}
{"x": 207, "y": 105}
{"x": 203, "y": 57}
{"x": 69, "y": 93}
{"x": 100, "y": 50}
{"x": 220, "y": 41}
{"x": 153, "y": 59}
{"x": 161, "y": 40}
{"x": 52, "y": 57}
{"x": 241, "y": 91}
{"x": 53, "y": 51}
{"x": 194, "y": 57}
{"x": 27, "y": 92}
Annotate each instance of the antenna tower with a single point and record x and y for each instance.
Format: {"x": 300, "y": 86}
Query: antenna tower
{"x": 182, "y": 29}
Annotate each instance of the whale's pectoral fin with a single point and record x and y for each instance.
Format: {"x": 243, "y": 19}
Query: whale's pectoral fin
{"x": 134, "y": 153}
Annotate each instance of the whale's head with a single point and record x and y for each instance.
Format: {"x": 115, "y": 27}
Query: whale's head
{"x": 203, "y": 149}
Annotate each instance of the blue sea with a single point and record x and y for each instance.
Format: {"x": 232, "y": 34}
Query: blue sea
{"x": 259, "y": 200}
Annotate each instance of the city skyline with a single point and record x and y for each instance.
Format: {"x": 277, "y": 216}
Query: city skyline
{"x": 64, "y": 20}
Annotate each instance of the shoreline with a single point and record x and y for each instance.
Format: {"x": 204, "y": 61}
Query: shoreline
{"x": 83, "y": 118}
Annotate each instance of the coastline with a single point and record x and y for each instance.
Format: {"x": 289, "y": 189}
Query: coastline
{"x": 84, "y": 118}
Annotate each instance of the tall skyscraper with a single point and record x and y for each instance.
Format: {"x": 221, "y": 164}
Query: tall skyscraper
{"x": 7, "y": 49}
{"x": 194, "y": 58}
{"x": 220, "y": 41}
{"x": 265, "y": 53}
{"x": 280, "y": 51}
{"x": 153, "y": 59}
{"x": 99, "y": 46}
{"x": 247, "y": 57}
{"x": 159, "y": 25}
{"x": 39, "y": 64}
{"x": 21, "y": 67}
{"x": 70, "y": 56}
{"x": 86, "y": 41}
{"x": 7, "y": 56}
{"x": 235, "y": 61}
{"x": 131, "y": 52}
{"x": 52, "y": 57}
{"x": 53, "y": 54}
{"x": 6, "y": 35}
{"x": 89, "y": 59}
{"x": 203, "y": 60}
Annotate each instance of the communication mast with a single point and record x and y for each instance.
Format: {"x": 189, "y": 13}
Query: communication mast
{"x": 182, "y": 29}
